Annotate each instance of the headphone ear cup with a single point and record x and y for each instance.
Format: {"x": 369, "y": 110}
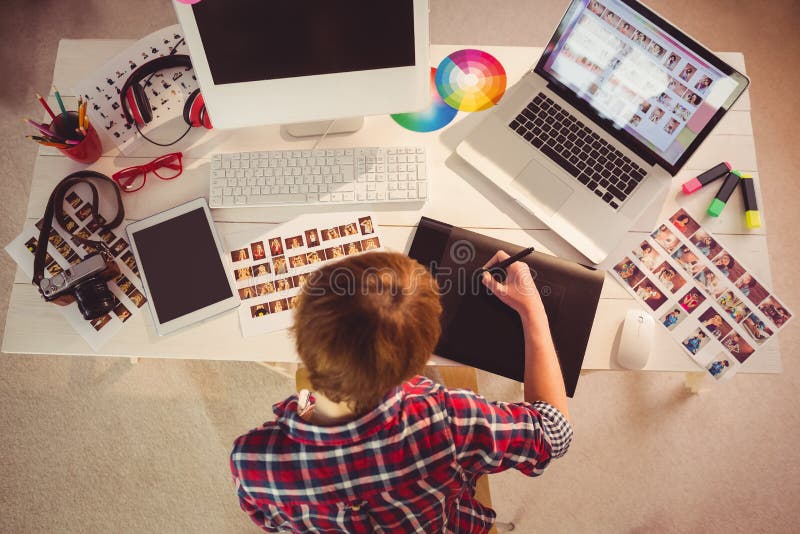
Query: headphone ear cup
{"x": 187, "y": 108}
{"x": 204, "y": 114}
{"x": 142, "y": 103}
{"x": 194, "y": 111}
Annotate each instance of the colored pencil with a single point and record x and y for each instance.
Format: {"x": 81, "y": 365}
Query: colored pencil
{"x": 41, "y": 127}
{"x": 47, "y": 143}
{"x": 60, "y": 102}
{"x": 41, "y": 99}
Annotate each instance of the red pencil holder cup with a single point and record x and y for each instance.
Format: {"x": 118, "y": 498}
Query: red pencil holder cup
{"x": 88, "y": 150}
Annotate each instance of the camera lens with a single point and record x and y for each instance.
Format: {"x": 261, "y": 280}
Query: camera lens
{"x": 94, "y": 298}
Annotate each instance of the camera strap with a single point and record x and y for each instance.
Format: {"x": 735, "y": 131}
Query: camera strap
{"x": 55, "y": 207}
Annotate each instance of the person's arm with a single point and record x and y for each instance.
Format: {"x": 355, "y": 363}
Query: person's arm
{"x": 543, "y": 379}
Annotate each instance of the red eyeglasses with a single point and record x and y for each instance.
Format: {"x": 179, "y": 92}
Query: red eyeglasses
{"x": 133, "y": 178}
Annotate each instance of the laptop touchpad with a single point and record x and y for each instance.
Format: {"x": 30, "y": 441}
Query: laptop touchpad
{"x": 538, "y": 184}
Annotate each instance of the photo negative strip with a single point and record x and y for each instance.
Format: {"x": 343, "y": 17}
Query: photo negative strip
{"x": 648, "y": 255}
{"x": 352, "y": 248}
{"x": 738, "y": 346}
{"x": 137, "y": 298}
{"x": 312, "y": 238}
{"x": 684, "y": 223}
{"x": 297, "y": 261}
{"x": 695, "y": 341}
{"x": 729, "y": 267}
{"x": 83, "y": 213}
{"x": 776, "y": 311}
{"x": 365, "y": 223}
{"x": 241, "y": 254}
{"x": 733, "y": 306}
{"x": 122, "y": 313}
{"x": 248, "y": 292}
{"x": 709, "y": 281}
{"x": 100, "y": 322}
{"x": 370, "y": 244}
{"x": 650, "y": 294}
{"x": 688, "y": 260}
{"x": 664, "y": 237}
{"x": 242, "y": 273}
{"x": 714, "y": 323}
{"x": 669, "y": 277}
{"x": 751, "y": 289}
{"x": 719, "y": 366}
{"x": 259, "y": 310}
{"x": 673, "y": 318}
{"x": 74, "y": 200}
{"x": 279, "y": 264}
{"x": 262, "y": 269}
{"x": 691, "y": 300}
{"x": 294, "y": 242}
{"x": 706, "y": 244}
{"x": 275, "y": 246}
{"x": 629, "y": 272}
{"x": 277, "y": 306}
{"x": 757, "y": 329}
{"x": 258, "y": 250}
{"x": 334, "y": 253}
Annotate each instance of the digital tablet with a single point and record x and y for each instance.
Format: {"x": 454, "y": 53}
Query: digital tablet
{"x": 182, "y": 266}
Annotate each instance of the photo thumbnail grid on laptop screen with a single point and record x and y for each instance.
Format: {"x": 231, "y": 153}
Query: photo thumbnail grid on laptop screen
{"x": 633, "y": 73}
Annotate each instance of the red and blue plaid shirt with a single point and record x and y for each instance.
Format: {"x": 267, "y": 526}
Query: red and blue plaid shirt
{"x": 409, "y": 465}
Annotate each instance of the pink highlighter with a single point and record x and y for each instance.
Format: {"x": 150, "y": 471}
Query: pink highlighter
{"x": 714, "y": 173}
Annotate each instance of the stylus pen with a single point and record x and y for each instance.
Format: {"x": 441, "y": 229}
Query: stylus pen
{"x": 500, "y": 267}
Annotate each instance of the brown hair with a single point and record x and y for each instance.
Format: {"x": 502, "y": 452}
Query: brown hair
{"x": 365, "y": 324}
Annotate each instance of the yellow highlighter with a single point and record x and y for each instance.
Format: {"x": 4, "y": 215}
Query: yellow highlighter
{"x": 752, "y": 216}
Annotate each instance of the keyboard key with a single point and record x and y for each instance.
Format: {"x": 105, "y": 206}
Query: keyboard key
{"x": 560, "y": 160}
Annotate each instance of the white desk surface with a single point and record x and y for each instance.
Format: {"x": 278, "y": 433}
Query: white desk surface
{"x": 458, "y": 195}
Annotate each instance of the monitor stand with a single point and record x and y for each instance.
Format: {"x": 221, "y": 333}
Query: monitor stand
{"x": 308, "y": 129}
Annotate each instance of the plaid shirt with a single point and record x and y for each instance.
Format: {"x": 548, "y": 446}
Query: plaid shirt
{"x": 409, "y": 465}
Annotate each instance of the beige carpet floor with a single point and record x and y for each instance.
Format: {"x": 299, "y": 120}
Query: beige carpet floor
{"x": 98, "y": 445}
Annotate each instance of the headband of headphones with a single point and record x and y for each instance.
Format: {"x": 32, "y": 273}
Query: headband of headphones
{"x": 151, "y": 67}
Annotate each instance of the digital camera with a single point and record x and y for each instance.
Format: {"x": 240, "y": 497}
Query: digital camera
{"x": 84, "y": 282}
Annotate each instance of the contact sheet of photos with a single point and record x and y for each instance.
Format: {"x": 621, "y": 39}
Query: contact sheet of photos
{"x": 63, "y": 251}
{"x": 166, "y": 90}
{"x": 270, "y": 269}
{"x": 704, "y": 296}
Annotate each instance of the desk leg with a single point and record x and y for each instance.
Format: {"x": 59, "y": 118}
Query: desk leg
{"x": 696, "y": 382}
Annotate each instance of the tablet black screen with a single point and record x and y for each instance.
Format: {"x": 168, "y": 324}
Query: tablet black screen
{"x": 182, "y": 265}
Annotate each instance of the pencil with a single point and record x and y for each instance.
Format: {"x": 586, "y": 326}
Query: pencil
{"x": 81, "y": 116}
{"x": 41, "y": 127}
{"x": 41, "y": 99}
{"x": 60, "y": 102}
{"x": 43, "y": 142}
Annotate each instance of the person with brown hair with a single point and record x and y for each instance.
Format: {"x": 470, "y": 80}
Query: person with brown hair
{"x": 376, "y": 447}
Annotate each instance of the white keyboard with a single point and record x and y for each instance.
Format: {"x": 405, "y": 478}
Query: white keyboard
{"x": 327, "y": 176}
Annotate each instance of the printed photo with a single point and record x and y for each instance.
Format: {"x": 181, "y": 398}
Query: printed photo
{"x": 642, "y": 39}
{"x": 684, "y": 223}
{"x": 73, "y": 259}
{"x": 352, "y": 248}
{"x": 672, "y": 60}
{"x": 330, "y": 233}
{"x": 54, "y": 268}
{"x": 277, "y": 306}
{"x": 759, "y": 331}
{"x": 665, "y": 99}
{"x": 242, "y": 273}
{"x": 334, "y": 253}
{"x": 751, "y": 289}
{"x": 84, "y": 212}
{"x": 122, "y": 312}
{"x": 370, "y": 244}
{"x": 695, "y": 341}
{"x": 656, "y": 49}
{"x": 692, "y": 98}
{"x": 715, "y": 324}
{"x": 688, "y": 260}
{"x": 687, "y": 72}
{"x": 671, "y": 126}
{"x": 55, "y": 239}
{"x": 611, "y": 18}
{"x": 31, "y": 243}
{"x": 293, "y": 301}
{"x": 297, "y": 261}
{"x": 275, "y": 246}
{"x": 626, "y": 29}
{"x": 70, "y": 225}
{"x": 596, "y": 7}
{"x": 92, "y": 226}
{"x": 258, "y": 250}
{"x": 706, "y": 244}
{"x": 64, "y": 249}
{"x": 130, "y": 261}
{"x": 669, "y": 277}
{"x": 691, "y": 300}
{"x": 733, "y": 306}
{"x": 262, "y": 269}
{"x": 673, "y": 318}
{"x": 265, "y": 289}
{"x": 125, "y": 285}
{"x": 728, "y": 266}
{"x": 349, "y": 229}
{"x": 719, "y": 366}
{"x": 366, "y": 225}
{"x": 137, "y": 298}
{"x": 666, "y": 238}
{"x": 240, "y": 255}
{"x": 650, "y": 294}
{"x": 100, "y": 322}
{"x": 636, "y": 120}
{"x": 656, "y": 115}
{"x": 299, "y": 280}
{"x": 118, "y": 247}
{"x": 283, "y": 284}
{"x": 709, "y": 282}
{"x": 280, "y": 265}
{"x": 644, "y": 107}
{"x": 314, "y": 257}
{"x": 703, "y": 84}
{"x": 682, "y": 113}
{"x": 247, "y": 292}
{"x": 74, "y": 200}
{"x": 259, "y": 310}
{"x": 83, "y": 233}
{"x": 294, "y": 242}
{"x": 107, "y": 236}
{"x": 312, "y": 238}
{"x": 738, "y": 347}
{"x": 773, "y": 309}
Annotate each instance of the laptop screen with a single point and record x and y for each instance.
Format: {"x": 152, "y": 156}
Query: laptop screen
{"x": 642, "y": 76}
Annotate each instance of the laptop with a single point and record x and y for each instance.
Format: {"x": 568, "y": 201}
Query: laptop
{"x": 590, "y": 137}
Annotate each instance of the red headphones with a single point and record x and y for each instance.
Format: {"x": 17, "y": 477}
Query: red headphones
{"x": 136, "y": 106}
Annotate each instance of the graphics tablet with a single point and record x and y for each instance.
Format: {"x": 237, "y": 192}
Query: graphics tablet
{"x": 182, "y": 266}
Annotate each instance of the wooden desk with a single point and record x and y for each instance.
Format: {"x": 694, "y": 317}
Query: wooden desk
{"x": 459, "y": 195}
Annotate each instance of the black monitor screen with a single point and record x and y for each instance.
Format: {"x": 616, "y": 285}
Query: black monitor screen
{"x": 251, "y": 40}
{"x": 182, "y": 265}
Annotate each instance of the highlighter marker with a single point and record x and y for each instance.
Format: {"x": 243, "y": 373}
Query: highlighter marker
{"x": 725, "y": 192}
{"x": 752, "y": 217}
{"x": 714, "y": 173}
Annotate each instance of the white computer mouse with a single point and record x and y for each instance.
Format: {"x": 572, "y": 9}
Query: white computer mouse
{"x": 636, "y": 339}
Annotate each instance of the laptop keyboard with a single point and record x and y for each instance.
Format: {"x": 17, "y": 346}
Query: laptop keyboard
{"x": 595, "y": 163}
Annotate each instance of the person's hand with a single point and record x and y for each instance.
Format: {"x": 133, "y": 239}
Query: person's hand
{"x": 518, "y": 290}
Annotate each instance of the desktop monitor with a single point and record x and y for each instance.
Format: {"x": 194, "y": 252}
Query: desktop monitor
{"x": 298, "y": 61}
